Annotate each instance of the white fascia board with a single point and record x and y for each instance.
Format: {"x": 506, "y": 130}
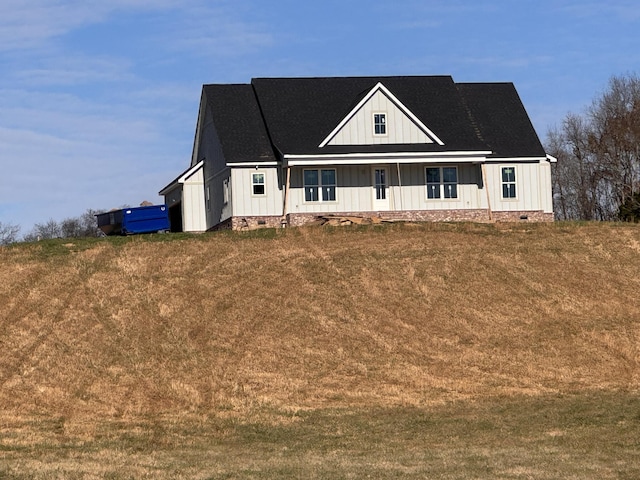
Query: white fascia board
{"x": 254, "y": 164}
{"x": 395, "y": 100}
{"x": 382, "y": 158}
{"x": 516, "y": 159}
{"x": 181, "y": 179}
{"x": 551, "y": 158}
{"x": 191, "y": 171}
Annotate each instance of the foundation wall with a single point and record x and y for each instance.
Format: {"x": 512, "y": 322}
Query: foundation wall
{"x": 475, "y": 215}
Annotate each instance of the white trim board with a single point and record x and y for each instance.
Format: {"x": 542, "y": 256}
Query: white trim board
{"x": 382, "y": 158}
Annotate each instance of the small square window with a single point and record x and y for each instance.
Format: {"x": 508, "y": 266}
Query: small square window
{"x": 379, "y": 123}
{"x": 257, "y": 181}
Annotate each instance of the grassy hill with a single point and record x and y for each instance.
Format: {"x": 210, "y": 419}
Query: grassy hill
{"x": 395, "y": 351}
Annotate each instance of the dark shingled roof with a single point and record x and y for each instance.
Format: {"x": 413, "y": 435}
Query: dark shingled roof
{"x": 301, "y": 112}
{"x": 239, "y": 123}
{"x": 294, "y": 115}
{"x": 502, "y": 120}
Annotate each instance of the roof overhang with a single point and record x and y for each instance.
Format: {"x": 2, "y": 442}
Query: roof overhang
{"x": 517, "y": 160}
{"x": 383, "y": 158}
{"x": 252, "y": 164}
{"x": 184, "y": 176}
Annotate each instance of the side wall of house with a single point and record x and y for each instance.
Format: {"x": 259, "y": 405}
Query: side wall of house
{"x": 193, "y": 205}
{"x": 533, "y": 187}
{"x": 215, "y": 173}
{"x": 248, "y": 204}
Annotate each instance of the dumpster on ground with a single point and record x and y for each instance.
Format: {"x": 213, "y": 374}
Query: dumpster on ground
{"x": 130, "y": 221}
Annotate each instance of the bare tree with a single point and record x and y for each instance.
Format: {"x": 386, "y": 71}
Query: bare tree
{"x": 44, "y": 231}
{"x": 84, "y": 225}
{"x": 598, "y": 153}
{"x": 8, "y": 233}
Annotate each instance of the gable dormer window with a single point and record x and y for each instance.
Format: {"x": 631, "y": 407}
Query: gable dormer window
{"x": 379, "y": 123}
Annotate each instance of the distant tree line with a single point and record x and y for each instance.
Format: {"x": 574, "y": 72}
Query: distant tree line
{"x": 84, "y": 225}
{"x": 597, "y": 176}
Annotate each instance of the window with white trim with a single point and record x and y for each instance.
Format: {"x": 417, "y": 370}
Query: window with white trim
{"x": 319, "y": 185}
{"x": 257, "y": 183}
{"x": 508, "y": 182}
{"x": 379, "y": 123}
{"x": 442, "y": 182}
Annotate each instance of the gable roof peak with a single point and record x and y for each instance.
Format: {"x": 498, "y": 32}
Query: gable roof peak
{"x": 379, "y": 87}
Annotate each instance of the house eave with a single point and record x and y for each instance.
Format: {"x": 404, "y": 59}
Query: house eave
{"x": 252, "y": 164}
{"x": 383, "y": 158}
{"x": 181, "y": 178}
{"x": 516, "y": 159}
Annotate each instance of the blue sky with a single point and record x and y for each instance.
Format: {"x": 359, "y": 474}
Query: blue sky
{"x": 98, "y": 99}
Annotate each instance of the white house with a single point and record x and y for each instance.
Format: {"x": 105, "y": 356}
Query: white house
{"x": 284, "y": 151}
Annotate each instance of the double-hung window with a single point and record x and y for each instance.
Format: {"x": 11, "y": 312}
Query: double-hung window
{"x": 320, "y": 185}
{"x": 508, "y": 182}
{"x": 442, "y": 182}
{"x": 257, "y": 183}
{"x": 379, "y": 123}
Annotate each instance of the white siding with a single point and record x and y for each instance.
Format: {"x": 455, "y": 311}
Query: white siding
{"x": 245, "y": 203}
{"x": 355, "y": 190}
{"x": 533, "y": 187}
{"x": 193, "y": 204}
{"x": 359, "y": 129}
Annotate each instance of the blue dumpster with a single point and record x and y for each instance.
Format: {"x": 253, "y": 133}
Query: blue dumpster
{"x": 130, "y": 221}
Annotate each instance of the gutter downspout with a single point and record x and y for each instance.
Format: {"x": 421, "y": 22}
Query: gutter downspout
{"x": 486, "y": 189}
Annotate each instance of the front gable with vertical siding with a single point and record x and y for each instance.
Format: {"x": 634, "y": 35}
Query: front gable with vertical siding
{"x": 380, "y": 118}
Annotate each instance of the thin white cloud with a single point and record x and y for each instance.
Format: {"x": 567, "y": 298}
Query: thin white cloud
{"x": 623, "y": 10}
{"x": 25, "y": 25}
{"x": 509, "y": 61}
{"x": 214, "y": 31}
{"x": 71, "y": 70}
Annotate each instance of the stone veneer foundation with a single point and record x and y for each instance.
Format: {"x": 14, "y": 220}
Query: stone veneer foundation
{"x": 476, "y": 215}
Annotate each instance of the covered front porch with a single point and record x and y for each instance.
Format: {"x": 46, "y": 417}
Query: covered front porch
{"x": 408, "y": 187}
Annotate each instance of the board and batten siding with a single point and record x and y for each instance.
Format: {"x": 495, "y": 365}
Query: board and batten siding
{"x": 413, "y": 193}
{"x": 533, "y": 187}
{"x": 193, "y": 206}
{"x": 215, "y": 169}
{"x": 355, "y": 191}
{"x": 359, "y": 129}
{"x": 245, "y": 203}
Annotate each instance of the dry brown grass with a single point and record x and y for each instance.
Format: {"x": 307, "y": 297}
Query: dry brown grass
{"x": 263, "y": 328}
